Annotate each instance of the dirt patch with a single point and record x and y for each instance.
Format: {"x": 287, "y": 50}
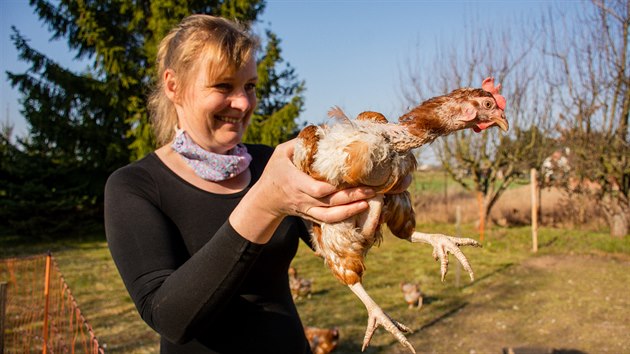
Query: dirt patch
{"x": 570, "y": 303}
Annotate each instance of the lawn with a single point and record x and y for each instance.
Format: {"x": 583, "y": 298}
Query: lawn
{"x": 571, "y": 294}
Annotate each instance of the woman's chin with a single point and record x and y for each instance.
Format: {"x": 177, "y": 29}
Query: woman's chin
{"x": 228, "y": 141}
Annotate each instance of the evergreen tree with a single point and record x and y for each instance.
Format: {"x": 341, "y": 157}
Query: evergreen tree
{"x": 280, "y": 99}
{"x": 85, "y": 125}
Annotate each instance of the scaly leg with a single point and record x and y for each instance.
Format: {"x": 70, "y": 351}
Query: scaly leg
{"x": 368, "y": 221}
{"x": 377, "y": 316}
{"x": 442, "y": 245}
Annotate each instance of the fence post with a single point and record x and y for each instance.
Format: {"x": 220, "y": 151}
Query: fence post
{"x": 534, "y": 185}
{"x": 47, "y": 302}
{"x": 3, "y": 309}
{"x": 458, "y": 233}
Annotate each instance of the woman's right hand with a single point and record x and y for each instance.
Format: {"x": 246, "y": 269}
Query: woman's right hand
{"x": 284, "y": 190}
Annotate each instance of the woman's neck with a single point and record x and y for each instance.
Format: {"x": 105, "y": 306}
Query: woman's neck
{"x": 175, "y": 163}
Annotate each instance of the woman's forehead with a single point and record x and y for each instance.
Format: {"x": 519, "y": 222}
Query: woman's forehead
{"x": 246, "y": 71}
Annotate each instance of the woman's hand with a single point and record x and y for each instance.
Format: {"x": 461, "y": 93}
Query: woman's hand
{"x": 308, "y": 197}
{"x": 284, "y": 190}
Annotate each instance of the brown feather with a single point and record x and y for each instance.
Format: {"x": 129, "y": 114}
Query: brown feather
{"x": 337, "y": 113}
{"x": 309, "y": 138}
{"x": 372, "y": 116}
{"x": 399, "y": 215}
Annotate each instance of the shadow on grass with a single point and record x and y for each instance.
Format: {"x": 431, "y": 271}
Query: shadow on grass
{"x": 498, "y": 270}
{"x": 443, "y": 316}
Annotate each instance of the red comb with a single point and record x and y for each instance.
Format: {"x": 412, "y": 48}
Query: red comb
{"x": 488, "y": 85}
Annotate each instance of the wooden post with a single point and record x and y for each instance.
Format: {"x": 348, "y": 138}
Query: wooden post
{"x": 458, "y": 221}
{"x": 3, "y": 312}
{"x": 47, "y": 302}
{"x": 534, "y": 189}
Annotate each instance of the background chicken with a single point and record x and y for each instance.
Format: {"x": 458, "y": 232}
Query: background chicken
{"x": 411, "y": 293}
{"x": 370, "y": 151}
{"x": 322, "y": 340}
{"x": 300, "y": 287}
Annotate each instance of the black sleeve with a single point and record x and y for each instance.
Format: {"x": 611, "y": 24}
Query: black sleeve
{"x": 305, "y": 235}
{"x": 171, "y": 293}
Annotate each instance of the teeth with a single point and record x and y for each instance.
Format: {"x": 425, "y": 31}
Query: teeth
{"x": 228, "y": 119}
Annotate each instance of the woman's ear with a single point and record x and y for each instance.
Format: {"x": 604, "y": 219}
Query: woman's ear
{"x": 170, "y": 85}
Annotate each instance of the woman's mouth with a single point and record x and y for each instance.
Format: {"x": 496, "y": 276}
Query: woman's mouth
{"x": 228, "y": 119}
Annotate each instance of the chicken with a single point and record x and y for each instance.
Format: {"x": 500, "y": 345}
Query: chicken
{"x": 300, "y": 287}
{"x": 322, "y": 340}
{"x": 370, "y": 151}
{"x": 412, "y": 294}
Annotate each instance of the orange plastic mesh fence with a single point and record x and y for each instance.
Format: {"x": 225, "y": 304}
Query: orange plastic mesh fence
{"x": 42, "y": 316}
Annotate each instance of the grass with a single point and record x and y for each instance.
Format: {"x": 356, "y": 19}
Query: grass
{"x": 434, "y": 182}
{"x": 517, "y": 296}
{"x": 395, "y": 261}
{"x": 91, "y": 274}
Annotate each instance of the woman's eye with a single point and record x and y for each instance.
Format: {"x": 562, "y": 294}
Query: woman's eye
{"x": 223, "y": 87}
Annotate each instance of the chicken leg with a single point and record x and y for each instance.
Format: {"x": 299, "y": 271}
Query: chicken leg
{"x": 400, "y": 218}
{"x": 377, "y": 316}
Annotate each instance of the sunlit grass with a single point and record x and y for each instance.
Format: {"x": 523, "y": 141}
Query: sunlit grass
{"x": 89, "y": 270}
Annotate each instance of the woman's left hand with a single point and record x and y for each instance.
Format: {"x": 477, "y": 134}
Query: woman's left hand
{"x": 285, "y": 190}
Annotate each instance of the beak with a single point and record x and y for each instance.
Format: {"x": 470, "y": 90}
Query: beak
{"x": 502, "y": 123}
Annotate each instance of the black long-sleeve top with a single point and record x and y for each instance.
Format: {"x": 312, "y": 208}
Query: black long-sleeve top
{"x": 192, "y": 277}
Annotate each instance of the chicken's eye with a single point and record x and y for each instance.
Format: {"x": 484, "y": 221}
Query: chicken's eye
{"x": 488, "y": 104}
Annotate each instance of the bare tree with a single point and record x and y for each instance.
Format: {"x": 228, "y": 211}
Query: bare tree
{"x": 487, "y": 163}
{"x": 590, "y": 77}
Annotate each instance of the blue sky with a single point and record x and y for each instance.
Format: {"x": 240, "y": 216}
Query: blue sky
{"x": 350, "y": 53}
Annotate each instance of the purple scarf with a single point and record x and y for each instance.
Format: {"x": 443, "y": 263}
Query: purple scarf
{"x": 208, "y": 165}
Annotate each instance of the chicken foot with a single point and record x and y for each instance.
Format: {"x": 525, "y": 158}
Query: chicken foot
{"x": 377, "y": 316}
{"x": 443, "y": 245}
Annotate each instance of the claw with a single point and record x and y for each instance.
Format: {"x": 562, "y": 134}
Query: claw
{"x": 443, "y": 245}
{"x": 376, "y": 316}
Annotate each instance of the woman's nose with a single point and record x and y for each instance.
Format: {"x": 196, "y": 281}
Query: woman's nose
{"x": 242, "y": 101}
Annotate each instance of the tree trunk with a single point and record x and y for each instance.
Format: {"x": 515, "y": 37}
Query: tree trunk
{"x": 617, "y": 211}
{"x": 618, "y": 224}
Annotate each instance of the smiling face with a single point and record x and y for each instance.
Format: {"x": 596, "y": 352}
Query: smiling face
{"x": 216, "y": 108}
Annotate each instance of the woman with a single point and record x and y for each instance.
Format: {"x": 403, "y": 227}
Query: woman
{"x": 203, "y": 230}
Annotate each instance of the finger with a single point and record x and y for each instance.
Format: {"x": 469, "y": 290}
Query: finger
{"x": 287, "y": 148}
{"x": 350, "y": 195}
{"x": 337, "y": 213}
{"x": 316, "y": 189}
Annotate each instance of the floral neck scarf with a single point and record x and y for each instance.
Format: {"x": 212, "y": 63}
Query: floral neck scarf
{"x": 208, "y": 165}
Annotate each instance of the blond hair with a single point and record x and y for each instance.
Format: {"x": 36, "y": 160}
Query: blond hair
{"x": 222, "y": 45}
